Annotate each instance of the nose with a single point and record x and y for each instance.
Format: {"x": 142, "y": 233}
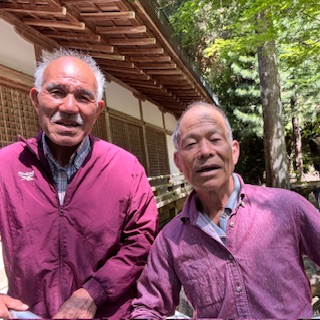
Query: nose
{"x": 205, "y": 149}
{"x": 69, "y": 104}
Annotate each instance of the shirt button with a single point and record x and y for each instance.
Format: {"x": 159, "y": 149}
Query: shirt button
{"x": 231, "y": 224}
{"x": 224, "y": 215}
{"x": 238, "y": 288}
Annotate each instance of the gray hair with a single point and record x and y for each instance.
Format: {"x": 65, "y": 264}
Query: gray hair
{"x": 49, "y": 57}
{"x": 176, "y": 133}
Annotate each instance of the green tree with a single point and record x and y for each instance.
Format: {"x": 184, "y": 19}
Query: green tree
{"x": 222, "y": 32}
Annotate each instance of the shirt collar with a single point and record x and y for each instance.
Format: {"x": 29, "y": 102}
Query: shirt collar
{"x": 233, "y": 199}
{"x": 77, "y": 157}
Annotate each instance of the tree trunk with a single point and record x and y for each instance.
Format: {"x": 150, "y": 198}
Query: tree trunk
{"x": 274, "y": 142}
{"x": 297, "y": 143}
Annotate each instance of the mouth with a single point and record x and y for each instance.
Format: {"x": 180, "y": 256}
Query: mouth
{"x": 208, "y": 168}
{"x": 68, "y": 124}
{"x": 67, "y": 120}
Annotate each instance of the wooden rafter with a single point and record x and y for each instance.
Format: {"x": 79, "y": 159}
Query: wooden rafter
{"x": 124, "y": 38}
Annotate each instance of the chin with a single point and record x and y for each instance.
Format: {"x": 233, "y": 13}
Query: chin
{"x": 70, "y": 144}
{"x": 66, "y": 142}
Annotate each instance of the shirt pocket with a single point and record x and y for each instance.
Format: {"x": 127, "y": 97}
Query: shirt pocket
{"x": 203, "y": 284}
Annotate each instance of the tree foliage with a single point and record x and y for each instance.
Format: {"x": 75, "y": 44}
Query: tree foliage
{"x": 222, "y": 38}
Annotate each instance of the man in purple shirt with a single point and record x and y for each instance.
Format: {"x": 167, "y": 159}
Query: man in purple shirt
{"x": 236, "y": 249}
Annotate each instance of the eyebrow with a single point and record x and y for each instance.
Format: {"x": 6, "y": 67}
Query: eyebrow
{"x": 53, "y": 85}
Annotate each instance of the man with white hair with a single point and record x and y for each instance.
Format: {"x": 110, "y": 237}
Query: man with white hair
{"x": 77, "y": 214}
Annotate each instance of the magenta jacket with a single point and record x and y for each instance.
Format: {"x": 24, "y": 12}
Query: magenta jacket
{"x": 98, "y": 239}
{"x": 259, "y": 274}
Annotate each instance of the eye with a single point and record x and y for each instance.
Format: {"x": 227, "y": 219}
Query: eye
{"x": 57, "y": 93}
{"x": 215, "y": 138}
{"x": 190, "y": 144}
{"x": 84, "y": 99}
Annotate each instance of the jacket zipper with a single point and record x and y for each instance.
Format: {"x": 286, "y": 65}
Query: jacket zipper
{"x": 61, "y": 253}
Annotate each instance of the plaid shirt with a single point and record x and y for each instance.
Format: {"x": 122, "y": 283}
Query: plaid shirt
{"x": 62, "y": 175}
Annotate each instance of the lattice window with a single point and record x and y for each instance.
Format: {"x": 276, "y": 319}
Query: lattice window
{"x": 128, "y": 136}
{"x": 157, "y": 152}
{"x": 17, "y": 116}
{"x": 100, "y": 127}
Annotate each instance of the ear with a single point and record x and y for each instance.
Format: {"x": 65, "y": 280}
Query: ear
{"x": 100, "y": 108}
{"x": 235, "y": 151}
{"x": 176, "y": 159}
{"x": 34, "y": 99}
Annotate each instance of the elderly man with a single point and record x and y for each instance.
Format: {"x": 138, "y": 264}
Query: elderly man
{"x": 235, "y": 248}
{"x": 77, "y": 214}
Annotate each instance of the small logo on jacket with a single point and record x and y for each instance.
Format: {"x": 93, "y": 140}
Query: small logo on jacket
{"x": 28, "y": 176}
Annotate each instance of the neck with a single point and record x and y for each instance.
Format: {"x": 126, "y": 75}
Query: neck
{"x": 214, "y": 201}
{"x": 61, "y": 154}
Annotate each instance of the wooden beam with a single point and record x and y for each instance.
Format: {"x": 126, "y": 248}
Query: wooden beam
{"x": 183, "y": 89}
{"x": 150, "y": 59}
{"x": 121, "y": 30}
{"x": 15, "y": 79}
{"x": 74, "y": 36}
{"x": 149, "y": 82}
{"x": 142, "y": 51}
{"x": 74, "y": 2}
{"x": 139, "y": 85}
{"x": 120, "y": 64}
{"x": 108, "y": 15}
{"x": 108, "y": 57}
{"x": 172, "y": 77}
{"x": 123, "y": 70}
{"x": 88, "y": 47}
{"x": 182, "y": 86}
{"x": 37, "y": 53}
{"x": 55, "y": 24}
{"x": 164, "y": 72}
{"x": 188, "y": 94}
{"x": 132, "y": 42}
{"x": 158, "y": 66}
{"x": 34, "y": 9}
{"x": 165, "y": 96}
{"x": 130, "y": 76}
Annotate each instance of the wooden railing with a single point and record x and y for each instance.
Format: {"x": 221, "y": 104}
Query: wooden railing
{"x": 170, "y": 192}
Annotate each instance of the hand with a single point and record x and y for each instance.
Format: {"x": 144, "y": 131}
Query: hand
{"x": 6, "y": 302}
{"x": 79, "y": 306}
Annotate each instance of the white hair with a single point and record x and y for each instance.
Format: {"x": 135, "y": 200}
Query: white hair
{"x": 176, "y": 133}
{"x": 49, "y": 57}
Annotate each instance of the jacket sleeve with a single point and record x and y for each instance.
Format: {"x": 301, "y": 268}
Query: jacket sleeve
{"x": 121, "y": 271}
{"x": 158, "y": 286}
{"x": 308, "y": 217}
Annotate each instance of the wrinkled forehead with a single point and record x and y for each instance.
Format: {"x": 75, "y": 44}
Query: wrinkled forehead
{"x": 71, "y": 71}
{"x": 199, "y": 116}
{"x": 70, "y": 66}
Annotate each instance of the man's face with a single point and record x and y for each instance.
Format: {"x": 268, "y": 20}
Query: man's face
{"x": 206, "y": 156}
{"x": 66, "y": 105}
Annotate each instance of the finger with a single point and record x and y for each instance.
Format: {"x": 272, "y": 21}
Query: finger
{"x": 7, "y": 302}
{"x": 4, "y": 312}
{"x": 17, "y": 305}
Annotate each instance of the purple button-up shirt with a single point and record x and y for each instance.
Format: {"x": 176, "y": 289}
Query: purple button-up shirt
{"x": 258, "y": 274}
